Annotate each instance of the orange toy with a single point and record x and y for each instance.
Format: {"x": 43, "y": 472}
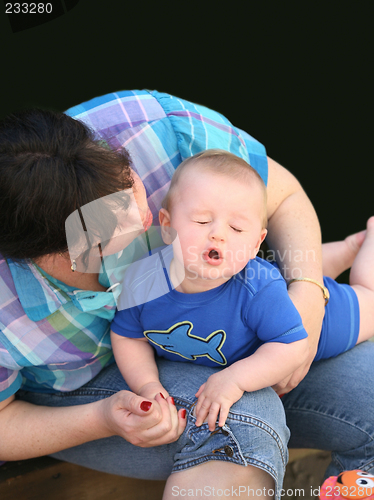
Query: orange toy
{"x": 349, "y": 485}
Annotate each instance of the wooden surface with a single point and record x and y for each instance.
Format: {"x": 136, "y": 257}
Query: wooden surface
{"x": 49, "y": 479}
{"x": 298, "y": 453}
{"x": 45, "y": 478}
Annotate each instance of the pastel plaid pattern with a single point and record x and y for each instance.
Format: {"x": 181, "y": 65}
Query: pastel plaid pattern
{"x": 160, "y": 131}
{"x": 54, "y": 337}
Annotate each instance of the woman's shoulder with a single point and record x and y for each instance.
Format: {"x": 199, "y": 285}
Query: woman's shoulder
{"x": 180, "y": 126}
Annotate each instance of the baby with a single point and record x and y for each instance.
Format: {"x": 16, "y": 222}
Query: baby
{"x": 225, "y": 306}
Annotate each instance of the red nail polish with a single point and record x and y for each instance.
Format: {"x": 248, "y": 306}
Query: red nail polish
{"x": 145, "y": 405}
{"x": 183, "y": 413}
{"x": 163, "y": 397}
{"x": 172, "y": 400}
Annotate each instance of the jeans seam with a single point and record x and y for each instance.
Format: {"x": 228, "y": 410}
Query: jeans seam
{"x": 368, "y": 465}
{"x": 264, "y": 426}
{"x": 264, "y": 466}
{"x": 250, "y": 420}
{"x": 182, "y": 402}
{"x": 245, "y": 459}
{"x": 331, "y": 417}
{"x": 85, "y": 392}
{"x": 205, "y": 458}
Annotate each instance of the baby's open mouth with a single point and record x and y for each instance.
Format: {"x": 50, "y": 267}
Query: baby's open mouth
{"x": 213, "y": 254}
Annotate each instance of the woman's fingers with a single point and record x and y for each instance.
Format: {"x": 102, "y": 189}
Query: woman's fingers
{"x": 176, "y": 430}
{"x": 169, "y": 428}
{"x": 138, "y": 405}
{"x": 143, "y": 422}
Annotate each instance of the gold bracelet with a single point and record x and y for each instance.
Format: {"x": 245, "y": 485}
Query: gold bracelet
{"x": 326, "y": 294}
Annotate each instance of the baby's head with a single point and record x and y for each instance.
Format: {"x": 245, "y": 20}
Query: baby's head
{"x": 221, "y": 163}
{"x": 217, "y": 205}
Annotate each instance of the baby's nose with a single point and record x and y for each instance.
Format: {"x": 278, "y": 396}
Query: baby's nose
{"x": 217, "y": 233}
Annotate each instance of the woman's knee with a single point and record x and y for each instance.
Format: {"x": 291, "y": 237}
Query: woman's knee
{"x": 221, "y": 480}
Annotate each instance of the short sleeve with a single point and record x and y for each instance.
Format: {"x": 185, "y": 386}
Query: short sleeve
{"x": 273, "y": 317}
{"x": 10, "y": 382}
{"x": 127, "y": 323}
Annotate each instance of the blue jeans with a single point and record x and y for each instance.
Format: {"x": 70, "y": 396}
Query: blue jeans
{"x": 331, "y": 409}
{"x": 255, "y": 432}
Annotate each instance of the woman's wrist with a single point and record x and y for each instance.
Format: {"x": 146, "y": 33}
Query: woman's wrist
{"x": 99, "y": 419}
{"x": 301, "y": 294}
{"x": 325, "y": 292}
{"x": 104, "y": 419}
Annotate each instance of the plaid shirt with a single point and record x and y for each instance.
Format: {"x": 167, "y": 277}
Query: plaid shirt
{"x": 54, "y": 337}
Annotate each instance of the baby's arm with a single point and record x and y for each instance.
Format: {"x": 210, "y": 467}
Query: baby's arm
{"x": 271, "y": 363}
{"x": 136, "y": 361}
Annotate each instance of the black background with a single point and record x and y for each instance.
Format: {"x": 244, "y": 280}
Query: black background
{"x": 296, "y": 75}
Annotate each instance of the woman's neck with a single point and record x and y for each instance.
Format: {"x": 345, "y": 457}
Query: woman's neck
{"x": 59, "y": 267}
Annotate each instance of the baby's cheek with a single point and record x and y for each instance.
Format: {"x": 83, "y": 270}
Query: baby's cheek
{"x": 241, "y": 256}
{"x": 190, "y": 254}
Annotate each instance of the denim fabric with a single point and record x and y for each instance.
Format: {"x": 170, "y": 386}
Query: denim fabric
{"x": 255, "y": 434}
{"x": 333, "y": 408}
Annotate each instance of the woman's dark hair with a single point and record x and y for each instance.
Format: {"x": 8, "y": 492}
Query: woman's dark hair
{"x": 50, "y": 165}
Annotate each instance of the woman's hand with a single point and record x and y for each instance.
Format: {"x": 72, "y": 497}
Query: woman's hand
{"x": 142, "y": 422}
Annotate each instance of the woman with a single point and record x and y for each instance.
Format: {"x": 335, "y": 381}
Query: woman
{"x": 60, "y": 390}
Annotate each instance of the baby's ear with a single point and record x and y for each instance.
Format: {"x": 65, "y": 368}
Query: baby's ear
{"x": 166, "y": 230}
{"x": 264, "y": 232}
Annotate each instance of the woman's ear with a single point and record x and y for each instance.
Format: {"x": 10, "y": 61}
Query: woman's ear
{"x": 166, "y": 230}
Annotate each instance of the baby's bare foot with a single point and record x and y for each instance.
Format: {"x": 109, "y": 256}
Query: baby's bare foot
{"x": 362, "y": 271}
{"x": 338, "y": 256}
{"x": 370, "y": 224}
{"x": 354, "y": 242}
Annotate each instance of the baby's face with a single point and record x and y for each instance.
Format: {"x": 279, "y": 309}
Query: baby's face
{"x": 218, "y": 220}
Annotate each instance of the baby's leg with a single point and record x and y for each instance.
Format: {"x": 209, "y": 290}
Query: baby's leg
{"x": 338, "y": 256}
{"x": 362, "y": 281}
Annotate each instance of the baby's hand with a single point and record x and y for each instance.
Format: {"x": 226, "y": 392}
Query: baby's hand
{"x": 150, "y": 390}
{"x": 215, "y": 397}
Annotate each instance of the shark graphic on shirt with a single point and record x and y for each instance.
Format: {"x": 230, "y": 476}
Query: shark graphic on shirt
{"x": 178, "y": 339}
